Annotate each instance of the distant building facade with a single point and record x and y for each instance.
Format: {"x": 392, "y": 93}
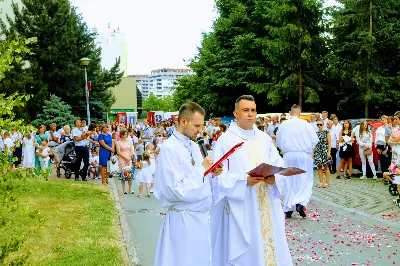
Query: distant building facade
{"x": 160, "y": 82}
{"x": 127, "y": 98}
{"x": 113, "y": 46}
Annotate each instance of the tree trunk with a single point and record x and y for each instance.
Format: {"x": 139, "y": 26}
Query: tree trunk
{"x": 300, "y": 87}
{"x": 369, "y": 57}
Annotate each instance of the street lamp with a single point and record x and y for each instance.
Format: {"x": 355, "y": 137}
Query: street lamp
{"x": 85, "y": 62}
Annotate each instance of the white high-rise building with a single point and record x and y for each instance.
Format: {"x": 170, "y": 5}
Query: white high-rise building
{"x": 160, "y": 82}
{"x": 112, "y": 44}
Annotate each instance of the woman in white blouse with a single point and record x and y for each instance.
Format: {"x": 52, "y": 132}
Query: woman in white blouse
{"x": 381, "y": 145}
{"x": 364, "y": 139}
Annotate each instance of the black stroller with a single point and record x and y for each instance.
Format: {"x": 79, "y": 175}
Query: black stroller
{"x": 67, "y": 163}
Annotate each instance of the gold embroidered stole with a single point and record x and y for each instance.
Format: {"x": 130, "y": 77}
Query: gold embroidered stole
{"x": 256, "y": 156}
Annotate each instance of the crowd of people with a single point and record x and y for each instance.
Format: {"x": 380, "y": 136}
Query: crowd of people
{"x": 165, "y": 159}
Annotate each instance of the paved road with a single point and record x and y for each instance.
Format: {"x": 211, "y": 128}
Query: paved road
{"x": 353, "y": 222}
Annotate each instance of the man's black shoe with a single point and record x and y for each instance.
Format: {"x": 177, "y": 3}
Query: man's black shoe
{"x": 288, "y": 215}
{"x": 301, "y": 210}
{"x": 84, "y": 179}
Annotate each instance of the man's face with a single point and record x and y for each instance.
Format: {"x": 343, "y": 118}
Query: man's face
{"x": 53, "y": 127}
{"x": 329, "y": 124}
{"x": 324, "y": 116}
{"x": 335, "y": 120}
{"x": 275, "y": 119}
{"x": 313, "y": 118}
{"x": 192, "y": 125}
{"x": 317, "y": 116}
{"x": 384, "y": 120}
{"x": 78, "y": 123}
{"x": 245, "y": 114}
{"x": 145, "y": 123}
{"x": 396, "y": 121}
{"x": 267, "y": 120}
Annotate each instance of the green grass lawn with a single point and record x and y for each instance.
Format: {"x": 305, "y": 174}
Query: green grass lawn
{"x": 65, "y": 223}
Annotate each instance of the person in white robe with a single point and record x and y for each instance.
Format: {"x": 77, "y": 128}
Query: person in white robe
{"x": 247, "y": 221}
{"x": 181, "y": 187}
{"x": 296, "y": 138}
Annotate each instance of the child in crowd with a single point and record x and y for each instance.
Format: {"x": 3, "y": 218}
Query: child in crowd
{"x": 140, "y": 150}
{"x": 145, "y": 174}
{"x": 208, "y": 148}
{"x": 394, "y": 177}
{"x": 44, "y": 154}
{"x": 8, "y": 147}
{"x": 28, "y": 152}
{"x": 127, "y": 176}
{"x": 94, "y": 165}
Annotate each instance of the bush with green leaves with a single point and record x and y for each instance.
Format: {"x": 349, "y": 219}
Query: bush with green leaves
{"x": 55, "y": 110}
{"x": 9, "y": 180}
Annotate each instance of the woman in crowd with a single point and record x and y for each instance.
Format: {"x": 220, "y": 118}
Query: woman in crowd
{"x": 381, "y": 146}
{"x": 28, "y": 152}
{"x": 67, "y": 136}
{"x": 16, "y": 137}
{"x": 115, "y": 130}
{"x": 364, "y": 139}
{"x": 41, "y": 134}
{"x": 322, "y": 154}
{"x": 93, "y": 138}
{"x": 394, "y": 141}
{"x": 346, "y": 137}
{"x": 125, "y": 156}
{"x": 106, "y": 149}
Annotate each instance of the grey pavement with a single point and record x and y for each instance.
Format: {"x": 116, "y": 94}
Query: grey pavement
{"x": 353, "y": 222}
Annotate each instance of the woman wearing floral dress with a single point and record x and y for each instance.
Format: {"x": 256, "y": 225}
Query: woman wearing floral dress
{"x": 322, "y": 154}
{"x": 38, "y": 145}
{"x": 394, "y": 141}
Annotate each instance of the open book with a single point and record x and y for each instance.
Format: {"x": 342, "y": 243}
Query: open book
{"x": 265, "y": 170}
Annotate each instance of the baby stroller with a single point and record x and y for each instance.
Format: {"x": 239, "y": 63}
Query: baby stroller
{"x": 67, "y": 163}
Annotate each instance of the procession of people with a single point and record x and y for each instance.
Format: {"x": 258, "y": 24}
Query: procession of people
{"x": 217, "y": 213}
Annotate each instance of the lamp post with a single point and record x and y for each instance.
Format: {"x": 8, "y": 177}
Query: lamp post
{"x": 85, "y": 62}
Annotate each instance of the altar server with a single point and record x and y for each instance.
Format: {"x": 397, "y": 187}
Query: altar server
{"x": 297, "y": 139}
{"x": 181, "y": 187}
{"x": 247, "y": 221}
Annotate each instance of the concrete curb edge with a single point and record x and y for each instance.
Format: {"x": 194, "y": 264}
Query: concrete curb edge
{"x": 360, "y": 213}
{"x": 128, "y": 239}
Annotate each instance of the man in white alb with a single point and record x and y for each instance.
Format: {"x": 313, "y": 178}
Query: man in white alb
{"x": 247, "y": 222}
{"x": 296, "y": 138}
{"x": 181, "y": 187}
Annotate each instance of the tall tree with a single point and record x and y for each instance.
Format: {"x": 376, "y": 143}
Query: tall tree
{"x": 53, "y": 63}
{"x": 239, "y": 57}
{"x": 366, "y": 54}
{"x": 295, "y": 47}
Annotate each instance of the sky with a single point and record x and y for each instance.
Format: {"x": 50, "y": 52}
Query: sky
{"x": 158, "y": 33}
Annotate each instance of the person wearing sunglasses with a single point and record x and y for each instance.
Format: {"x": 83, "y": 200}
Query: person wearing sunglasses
{"x": 322, "y": 154}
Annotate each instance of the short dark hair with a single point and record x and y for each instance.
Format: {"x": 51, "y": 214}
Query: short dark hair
{"x": 189, "y": 109}
{"x": 397, "y": 114}
{"x": 244, "y": 97}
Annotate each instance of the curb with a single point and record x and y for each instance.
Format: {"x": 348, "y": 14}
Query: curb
{"x": 128, "y": 239}
{"x": 357, "y": 212}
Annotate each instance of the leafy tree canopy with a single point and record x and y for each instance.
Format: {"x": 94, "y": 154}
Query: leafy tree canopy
{"x": 153, "y": 103}
{"x": 54, "y": 60}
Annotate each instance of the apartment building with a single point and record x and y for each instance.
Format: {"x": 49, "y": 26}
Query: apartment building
{"x": 160, "y": 82}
